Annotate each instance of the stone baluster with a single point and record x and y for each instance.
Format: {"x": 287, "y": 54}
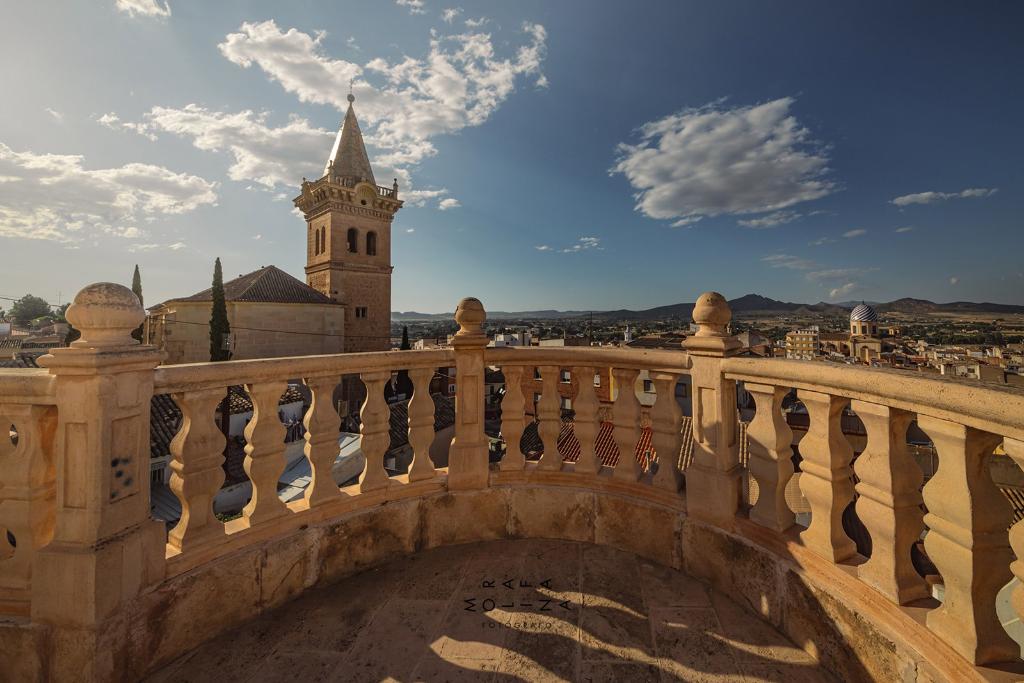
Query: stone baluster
{"x": 1015, "y": 449}
{"x": 264, "y": 452}
{"x": 513, "y": 418}
{"x": 421, "y": 425}
{"x": 826, "y": 478}
{"x": 586, "y": 424}
{"x": 27, "y": 498}
{"x": 626, "y": 420}
{"x": 105, "y": 549}
{"x": 714, "y": 477}
{"x": 197, "y": 469}
{"x": 967, "y": 521}
{"x": 667, "y": 431}
{"x": 769, "y": 440}
{"x": 322, "y": 424}
{"x": 374, "y": 431}
{"x": 549, "y": 418}
{"x": 468, "y": 466}
{"x": 889, "y": 503}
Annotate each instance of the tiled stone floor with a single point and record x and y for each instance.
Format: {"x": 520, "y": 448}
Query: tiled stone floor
{"x": 588, "y": 613}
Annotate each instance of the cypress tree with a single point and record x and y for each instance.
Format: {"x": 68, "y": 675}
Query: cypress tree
{"x": 137, "y": 290}
{"x": 405, "y": 339}
{"x": 219, "y": 326}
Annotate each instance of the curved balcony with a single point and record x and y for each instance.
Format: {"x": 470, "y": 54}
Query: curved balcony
{"x": 94, "y": 589}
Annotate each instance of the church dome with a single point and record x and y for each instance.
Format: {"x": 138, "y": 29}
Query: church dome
{"x": 863, "y": 313}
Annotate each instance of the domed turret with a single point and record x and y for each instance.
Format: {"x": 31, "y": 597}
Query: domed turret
{"x": 864, "y": 321}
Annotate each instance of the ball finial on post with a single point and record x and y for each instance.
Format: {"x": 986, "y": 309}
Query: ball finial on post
{"x": 105, "y": 313}
{"x": 470, "y": 316}
{"x": 712, "y": 314}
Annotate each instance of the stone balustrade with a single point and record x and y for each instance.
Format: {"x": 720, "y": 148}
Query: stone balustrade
{"x": 81, "y": 558}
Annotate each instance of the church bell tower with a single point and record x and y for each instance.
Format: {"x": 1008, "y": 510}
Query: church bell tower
{"x": 348, "y": 238}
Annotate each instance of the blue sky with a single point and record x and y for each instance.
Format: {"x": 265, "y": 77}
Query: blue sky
{"x": 551, "y": 154}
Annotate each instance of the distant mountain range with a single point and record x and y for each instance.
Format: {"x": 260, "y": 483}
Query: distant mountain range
{"x": 749, "y": 303}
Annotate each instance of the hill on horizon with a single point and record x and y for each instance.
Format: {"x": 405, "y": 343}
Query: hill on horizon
{"x": 748, "y": 303}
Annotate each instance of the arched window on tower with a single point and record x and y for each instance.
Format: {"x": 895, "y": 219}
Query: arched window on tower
{"x": 371, "y": 244}
{"x": 323, "y": 239}
{"x": 353, "y": 238}
{"x": 316, "y": 247}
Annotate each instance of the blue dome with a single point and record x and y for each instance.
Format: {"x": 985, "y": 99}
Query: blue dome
{"x": 864, "y": 313}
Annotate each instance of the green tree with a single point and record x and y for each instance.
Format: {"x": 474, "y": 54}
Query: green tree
{"x": 405, "y": 339}
{"x": 137, "y": 290}
{"x": 28, "y": 308}
{"x": 219, "y": 327}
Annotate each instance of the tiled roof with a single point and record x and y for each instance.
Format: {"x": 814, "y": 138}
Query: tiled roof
{"x": 269, "y": 284}
{"x": 22, "y": 360}
{"x": 444, "y": 416}
{"x": 164, "y": 423}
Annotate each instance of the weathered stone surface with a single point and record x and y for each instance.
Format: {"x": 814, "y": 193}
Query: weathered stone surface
{"x": 197, "y": 606}
{"x": 750, "y": 576}
{"x": 368, "y": 538}
{"x": 287, "y": 568}
{"x": 368, "y": 628}
{"x": 465, "y": 517}
{"x": 21, "y": 650}
{"x": 647, "y": 531}
{"x": 552, "y": 513}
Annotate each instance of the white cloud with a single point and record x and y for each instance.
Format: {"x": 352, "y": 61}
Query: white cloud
{"x": 476, "y": 23}
{"x": 257, "y": 236}
{"x": 686, "y": 222}
{"x": 410, "y": 230}
{"x": 859, "y": 232}
{"x": 420, "y": 197}
{"x": 404, "y": 104}
{"x": 954, "y": 280}
{"x": 264, "y": 154}
{"x": 582, "y": 244}
{"x": 415, "y": 6}
{"x": 834, "y": 274}
{"x": 54, "y": 197}
{"x": 57, "y": 116}
{"x": 449, "y": 14}
{"x": 843, "y": 290}
{"x": 114, "y": 122}
{"x": 820, "y": 241}
{"x": 771, "y": 220}
{"x": 715, "y": 160}
{"x": 352, "y": 44}
{"x": 448, "y": 203}
{"x": 144, "y": 8}
{"x": 930, "y": 197}
{"x": 788, "y": 261}
{"x": 906, "y": 228}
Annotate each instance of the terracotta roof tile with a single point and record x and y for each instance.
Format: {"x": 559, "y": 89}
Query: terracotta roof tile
{"x": 269, "y": 284}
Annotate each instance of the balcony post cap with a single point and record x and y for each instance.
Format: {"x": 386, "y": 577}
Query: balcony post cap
{"x": 105, "y": 313}
{"x": 470, "y": 316}
{"x": 712, "y": 314}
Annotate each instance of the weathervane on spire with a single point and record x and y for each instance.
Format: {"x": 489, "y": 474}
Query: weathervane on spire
{"x": 351, "y": 97}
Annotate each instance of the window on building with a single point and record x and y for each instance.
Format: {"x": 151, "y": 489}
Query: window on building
{"x": 566, "y": 403}
{"x": 451, "y": 388}
{"x": 371, "y": 244}
{"x": 565, "y": 376}
{"x": 597, "y": 379}
{"x": 360, "y": 311}
{"x": 316, "y": 242}
{"x": 353, "y": 238}
{"x": 648, "y": 386}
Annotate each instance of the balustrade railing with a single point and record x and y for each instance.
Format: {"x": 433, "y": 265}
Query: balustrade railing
{"x": 70, "y": 471}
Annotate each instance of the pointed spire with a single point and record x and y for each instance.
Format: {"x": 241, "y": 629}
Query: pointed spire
{"x": 348, "y": 156}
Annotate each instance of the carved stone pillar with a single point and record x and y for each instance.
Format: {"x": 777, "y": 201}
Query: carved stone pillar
{"x": 374, "y": 431}
{"x": 468, "y": 459}
{"x": 264, "y": 452}
{"x": 714, "y": 478}
{"x": 667, "y": 436}
{"x": 586, "y": 424}
{"x": 197, "y": 469}
{"x": 769, "y": 440}
{"x": 626, "y": 418}
{"x": 421, "y": 425}
{"x": 322, "y": 424}
{"x": 826, "y": 477}
{"x": 513, "y": 418}
{"x": 967, "y": 520}
{"x": 105, "y": 547}
{"x": 889, "y": 503}
{"x": 1015, "y": 449}
{"x": 549, "y": 418}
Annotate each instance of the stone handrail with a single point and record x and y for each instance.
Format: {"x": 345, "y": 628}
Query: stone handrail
{"x": 74, "y": 493}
